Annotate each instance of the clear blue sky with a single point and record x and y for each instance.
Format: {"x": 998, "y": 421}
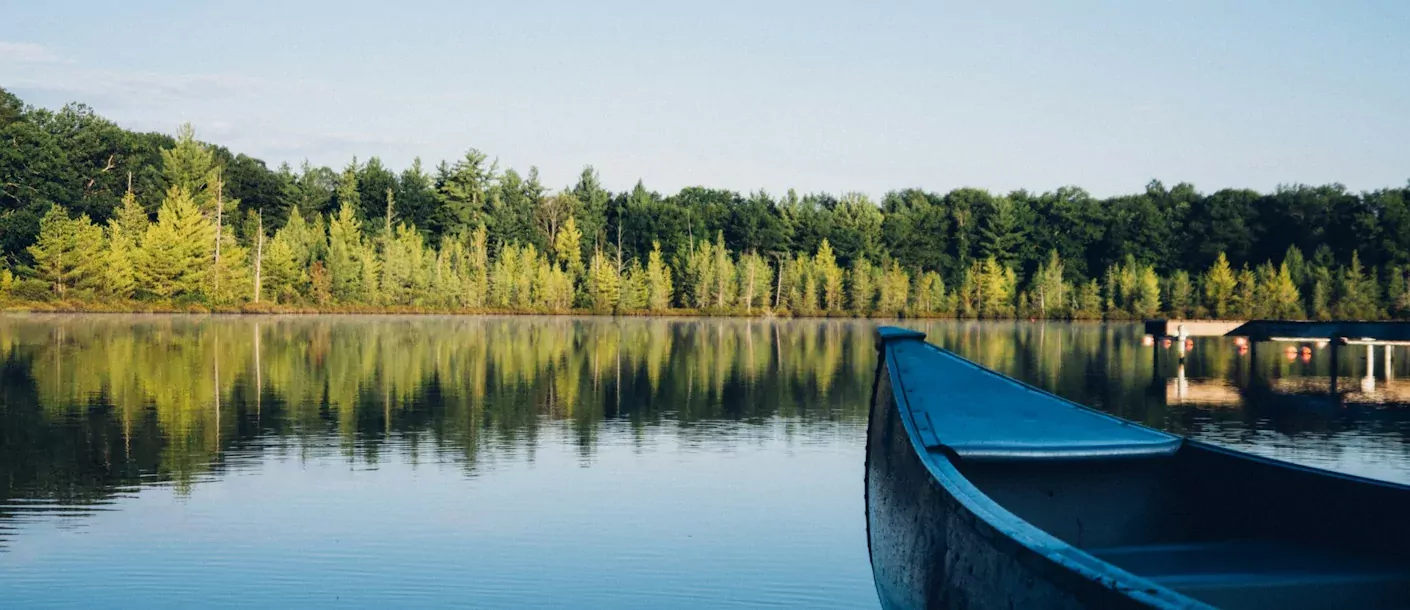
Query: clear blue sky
{"x": 821, "y": 96}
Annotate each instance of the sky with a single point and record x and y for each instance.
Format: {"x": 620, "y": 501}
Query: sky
{"x": 814, "y": 95}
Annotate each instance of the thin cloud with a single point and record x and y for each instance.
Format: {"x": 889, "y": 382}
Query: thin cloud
{"x": 28, "y": 53}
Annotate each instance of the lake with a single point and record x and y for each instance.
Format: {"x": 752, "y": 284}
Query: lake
{"x": 173, "y": 461}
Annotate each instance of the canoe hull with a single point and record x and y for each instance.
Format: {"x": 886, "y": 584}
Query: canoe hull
{"x": 931, "y": 549}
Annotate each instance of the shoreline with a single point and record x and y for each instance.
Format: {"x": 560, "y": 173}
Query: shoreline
{"x": 79, "y": 307}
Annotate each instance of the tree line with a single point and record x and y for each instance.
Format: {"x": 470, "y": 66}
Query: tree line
{"x": 92, "y": 214}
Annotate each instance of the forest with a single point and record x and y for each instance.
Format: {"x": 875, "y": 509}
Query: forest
{"x": 97, "y": 217}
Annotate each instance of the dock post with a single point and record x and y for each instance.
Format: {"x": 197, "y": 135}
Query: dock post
{"x": 1390, "y": 370}
{"x": 1368, "y": 383}
{"x": 1181, "y": 336}
{"x": 1332, "y": 345}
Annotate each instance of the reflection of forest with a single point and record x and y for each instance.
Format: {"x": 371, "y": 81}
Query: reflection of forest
{"x": 92, "y": 404}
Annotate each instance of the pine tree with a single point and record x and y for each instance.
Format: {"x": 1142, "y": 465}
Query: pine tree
{"x": 604, "y": 287}
{"x": 1147, "y": 301}
{"x": 345, "y": 267}
{"x": 230, "y": 279}
{"x": 755, "y": 280}
{"x": 1088, "y": 301}
{"x": 1181, "y": 294}
{"x": 174, "y": 258}
{"x": 894, "y": 291}
{"x": 478, "y": 284}
{"x": 67, "y": 253}
{"x": 657, "y": 281}
{"x": 1321, "y": 293}
{"x": 1219, "y": 286}
{"x": 863, "y": 286}
{"x": 825, "y": 262}
{"x": 1359, "y": 292}
{"x": 996, "y": 288}
{"x": 930, "y": 293}
{"x": 722, "y": 293}
{"x": 1283, "y": 298}
{"x": 636, "y": 288}
{"x": 1244, "y": 304}
{"x": 283, "y": 280}
{"x": 192, "y": 167}
{"x": 1397, "y": 291}
{"x": 1048, "y": 292}
{"x": 568, "y": 248}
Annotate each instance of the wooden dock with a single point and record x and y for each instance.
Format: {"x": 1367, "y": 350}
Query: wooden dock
{"x": 1161, "y": 329}
{"x": 1340, "y": 331}
{"x": 1345, "y": 332}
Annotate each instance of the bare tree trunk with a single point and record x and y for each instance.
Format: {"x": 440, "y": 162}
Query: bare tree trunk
{"x": 219, "y": 204}
{"x": 259, "y": 255}
{"x": 778, "y": 293}
{"x": 749, "y": 302}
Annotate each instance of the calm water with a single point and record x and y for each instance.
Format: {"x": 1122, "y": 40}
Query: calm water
{"x": 528, "y": 462}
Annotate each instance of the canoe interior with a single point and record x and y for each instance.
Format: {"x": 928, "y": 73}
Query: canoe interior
{"x": 1226, "y": 529}
{"x": 1139, "y": 529}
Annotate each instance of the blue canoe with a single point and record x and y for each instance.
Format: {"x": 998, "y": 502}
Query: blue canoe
{"x": 984, "y": 492}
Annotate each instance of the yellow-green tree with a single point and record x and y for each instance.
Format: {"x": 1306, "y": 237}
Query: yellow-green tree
{"x": 1146, "y": 303}
{"x": 345, "y": 265}
{"x": 755, "y": 281}
{"x": 830, "y": 275}
{"x": 930, "y": 294}
{"x": 894, "y": 290}
{"x": 568, "y": 247}
{"x": 68, "y": 252}
{"x": 863, "y": 286}
{"x": 124, "y": 231}
{"x": 1219, "y": 286}
{"x": 1283, "y": 298}
{"x": 603, "y": 286}
{"x": 176, "y": 251}
{"x": 656, "y": 280}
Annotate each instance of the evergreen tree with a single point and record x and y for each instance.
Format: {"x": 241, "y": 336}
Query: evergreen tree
{"x": 930, "y": 294}
{"x": 1321, "y": 302}
{"x": 1358, "y": 293}
{"x": 894, "y": 291}
{"x": 67, "y": 254}
{"x": 755, "y": 280}
{"x": 1283, "y": 298}
{"x": 1048, "y": 290}
{"x": 996, "y": 285}
{"x": 174, "y": 258}
{"x": 192, "y": 167}
{"x": 604, "y": 286}
{"x": 1219, "y": 286}
{"x": 830, "y": 275}
{"x": 284, "y": 281}
{"x": 478, "y": 283}
{"x": 636, "y": 288}
{"x": 1147, "y": 301}
{"x": 229, "y": 279}
{"x": 1088, "y": 301}
{"x": 345, "y": 267}
{"x": 1181, "y": 294}
{"x": 1244, "y": 305}
{"x": 567, "y": 247}
{"x": 863, "y": 286}
{"x": 724, "y": 288}
{"x": 1397, "y": 291}
{"x": 119, "y": 271}
{"x": 657, "y": 281}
